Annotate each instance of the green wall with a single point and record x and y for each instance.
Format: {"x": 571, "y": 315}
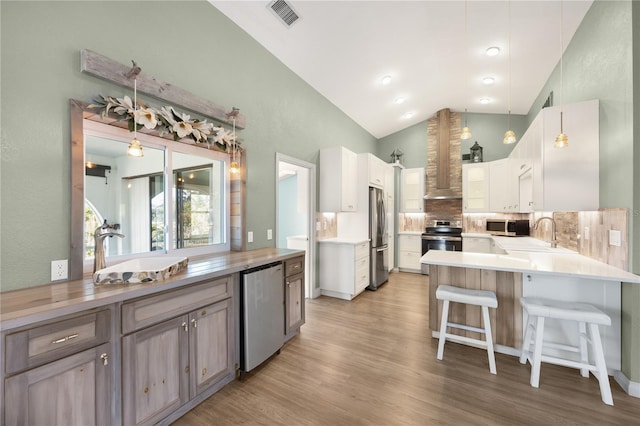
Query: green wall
{"x": 189, "y": 44}
{"x": 487, "y": 129}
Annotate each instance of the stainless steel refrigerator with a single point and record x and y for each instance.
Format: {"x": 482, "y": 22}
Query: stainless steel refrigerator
{"x": 379, "y": 261}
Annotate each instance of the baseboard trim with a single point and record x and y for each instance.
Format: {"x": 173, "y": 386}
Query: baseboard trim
{"x": 632, "y": 388}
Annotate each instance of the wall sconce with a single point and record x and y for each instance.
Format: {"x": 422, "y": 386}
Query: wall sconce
{"x": 476, "y": 153}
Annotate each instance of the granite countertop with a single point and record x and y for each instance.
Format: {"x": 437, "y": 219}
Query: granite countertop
{"x": 547, "y": 263}
{"x": 39, "y": 303}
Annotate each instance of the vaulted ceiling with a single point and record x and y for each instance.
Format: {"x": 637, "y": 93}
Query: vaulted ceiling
{"x": 344, "y": 48}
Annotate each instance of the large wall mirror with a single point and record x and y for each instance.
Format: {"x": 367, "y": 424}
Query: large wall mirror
{"x": 173, "y": 200}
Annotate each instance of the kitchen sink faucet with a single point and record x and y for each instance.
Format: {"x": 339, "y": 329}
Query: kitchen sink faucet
{"x": 99, "y": 261}
{"x": 553, "y": 241}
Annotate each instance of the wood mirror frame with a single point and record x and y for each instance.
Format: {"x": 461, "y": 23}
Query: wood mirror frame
{"x": 79, "y": 111}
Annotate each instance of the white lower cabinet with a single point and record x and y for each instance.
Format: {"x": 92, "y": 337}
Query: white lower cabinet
{"x": 478, "y": 244}
{"x": 344, "y": 268}
{"x": 409, "y": 252}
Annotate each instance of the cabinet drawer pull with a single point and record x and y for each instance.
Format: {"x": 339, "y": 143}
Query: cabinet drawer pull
{"x": 105, "y": 359}
{"x": 194, "y": 322}
{"x": 64, "y": 339}
{"x": 296, "y": 266}
{"x": 185, "y": 326}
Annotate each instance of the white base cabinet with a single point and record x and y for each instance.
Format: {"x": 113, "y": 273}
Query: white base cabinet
{"x": 409, "y": 252}
{"x": 344, "y": 268}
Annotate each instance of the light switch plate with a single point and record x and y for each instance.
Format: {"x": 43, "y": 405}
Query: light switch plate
{"x": 615, "y": 238}
{"x": 250, "y": 236}
{"x": 269, "y": 234}
{"x": 587, "y": 235}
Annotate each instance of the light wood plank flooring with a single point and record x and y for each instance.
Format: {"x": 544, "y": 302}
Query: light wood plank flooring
{"x": 372, "y": 361}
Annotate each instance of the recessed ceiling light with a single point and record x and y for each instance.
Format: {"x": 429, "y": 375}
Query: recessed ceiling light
{"x": 386, "y": 80}
{"x": 488, "y": 81}
{"x": 484, "y": 101}
{"x": 399, "y": 100}
{"x": 407, "y": 115}
{"x": 493, "y": 51}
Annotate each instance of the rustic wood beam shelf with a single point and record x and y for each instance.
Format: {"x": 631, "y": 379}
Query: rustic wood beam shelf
{"x": 100, "y": 66}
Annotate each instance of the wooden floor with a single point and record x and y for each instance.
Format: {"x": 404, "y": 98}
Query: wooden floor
{"x": 372, "y": 361}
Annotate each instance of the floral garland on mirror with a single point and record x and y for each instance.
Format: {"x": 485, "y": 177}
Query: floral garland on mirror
{"x": 166, "y": 121}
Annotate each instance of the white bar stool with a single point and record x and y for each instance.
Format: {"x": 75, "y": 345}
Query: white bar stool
{"x": 483, "y": 298}
{"x": 537, "y": 310}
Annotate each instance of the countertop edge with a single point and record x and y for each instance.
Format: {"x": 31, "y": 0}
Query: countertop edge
{"x": 114, "y": 293}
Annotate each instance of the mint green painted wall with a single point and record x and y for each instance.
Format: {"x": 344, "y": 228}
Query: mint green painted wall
{"x": 189, "y": 44}
{"x": 598, "y": 64}
{"x": 487, "y": 129}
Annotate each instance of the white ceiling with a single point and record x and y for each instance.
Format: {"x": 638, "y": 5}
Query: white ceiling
{"x": 344, "y": 48}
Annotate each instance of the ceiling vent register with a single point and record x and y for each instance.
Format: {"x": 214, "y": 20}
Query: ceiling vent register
{"x": 284, "y": 11}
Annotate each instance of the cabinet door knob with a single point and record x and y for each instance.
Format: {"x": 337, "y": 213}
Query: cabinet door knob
{"x": 185, "y": 326}
{"x": 194, "y": 322}
{"x": 105, "y": 359}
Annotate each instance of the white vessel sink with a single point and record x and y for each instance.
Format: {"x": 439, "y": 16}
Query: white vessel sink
{"x": 142, "y": 270}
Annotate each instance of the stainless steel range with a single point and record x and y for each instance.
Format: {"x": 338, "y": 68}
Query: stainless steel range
{"x": 441, "y": 235}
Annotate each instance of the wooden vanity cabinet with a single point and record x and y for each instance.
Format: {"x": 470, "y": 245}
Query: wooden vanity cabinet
{"x": 294, "y": 314}
{"x": 60, "y": 371}
{"x": 177, "y": 346}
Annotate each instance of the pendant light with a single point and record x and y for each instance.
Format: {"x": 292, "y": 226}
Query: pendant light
{"x": 135, "y": 148}
{"x": 235, "y": 168}
{"x": 562, "y": 140}
{"x": 466, "y": 131}
{"x": 509, "y": 136}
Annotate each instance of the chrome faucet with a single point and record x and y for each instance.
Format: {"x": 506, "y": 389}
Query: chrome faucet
{"x": 99, "y": 236}
{"x": 553, "y": 241}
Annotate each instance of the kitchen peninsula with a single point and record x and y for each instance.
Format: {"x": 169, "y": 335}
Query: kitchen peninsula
{"x": 543, "y": 272}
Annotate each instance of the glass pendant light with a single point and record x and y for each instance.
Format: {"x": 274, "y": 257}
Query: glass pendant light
{"x": 562, "y": 140}
{"x": 509, "y": 136}
{"x": 235, "y": 168}
{"x": 135, "y": 148}
{"x": 466, "y": 131}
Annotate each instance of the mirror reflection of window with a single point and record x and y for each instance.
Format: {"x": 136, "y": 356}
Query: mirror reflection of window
{"x": 130, "y": 193}
{"x": 198, "y": 201}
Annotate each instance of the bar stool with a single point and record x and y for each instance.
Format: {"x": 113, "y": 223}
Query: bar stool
{"x": 585, "y": 315}
{"x": 483, "y": 298}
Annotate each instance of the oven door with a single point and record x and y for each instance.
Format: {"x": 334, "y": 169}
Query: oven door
{"x": 439, "y": 242}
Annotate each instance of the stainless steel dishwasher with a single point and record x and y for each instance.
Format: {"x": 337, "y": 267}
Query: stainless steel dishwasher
{"x": 262, "y": 315}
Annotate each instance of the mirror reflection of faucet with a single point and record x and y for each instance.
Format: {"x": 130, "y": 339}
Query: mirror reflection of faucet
{"x": 99, "y": 236}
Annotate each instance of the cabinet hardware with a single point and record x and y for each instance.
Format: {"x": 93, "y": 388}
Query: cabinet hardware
{"x": 296, "y": 266}
{"x": 65, "y": 338}
{"x": 185, "y": 326}
{"x": 204, "y": 312}
{"x": 105, "y": 359}
{"x": 194, "y": 322}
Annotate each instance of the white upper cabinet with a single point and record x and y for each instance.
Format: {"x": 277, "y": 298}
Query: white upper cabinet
{"x": 503, "y": 193}
{"x": 475, "y": 187}
{"x": 412, "y": 190}
{"x": 377, "y": 169}
{"x": 561, "y": 179}
{"x": 338, "y": 180}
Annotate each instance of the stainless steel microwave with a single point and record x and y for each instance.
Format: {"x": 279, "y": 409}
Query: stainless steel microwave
{"x": 508, "y": 227}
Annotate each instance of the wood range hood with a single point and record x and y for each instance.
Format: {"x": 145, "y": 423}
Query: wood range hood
{"x": 444, "y": 160}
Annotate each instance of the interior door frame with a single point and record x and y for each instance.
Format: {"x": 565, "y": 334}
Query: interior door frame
{"x": 312, "y": 290}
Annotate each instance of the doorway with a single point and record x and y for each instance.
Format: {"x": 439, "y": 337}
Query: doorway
{"x": 295, "y": 212}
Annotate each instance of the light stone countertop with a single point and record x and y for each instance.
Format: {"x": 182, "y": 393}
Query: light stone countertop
{"x": 547, "y": 263}
{"x": 338, "y": 240}
{"x": 409, "y": 232}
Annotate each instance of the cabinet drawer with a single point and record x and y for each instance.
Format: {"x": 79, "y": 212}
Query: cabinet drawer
{"x": 362, "y": 250}
{"x": 409, "y": 259}
{"x": 293, "y": 266}
{"x": 410, "y": 242}
{"x": 150, "y": 310}
{"x": 54, "y": 340}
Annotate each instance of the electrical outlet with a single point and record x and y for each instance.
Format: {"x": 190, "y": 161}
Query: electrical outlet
{"x": 586, "y": 233}
{"x": 615, "y": 238}
{"x": 269, "y": 234}
{"x": 59, "y": 270}
{"x": 479, "y": 223}
{"x": 250, "y": 236}
{"x": 318, "y": 226}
